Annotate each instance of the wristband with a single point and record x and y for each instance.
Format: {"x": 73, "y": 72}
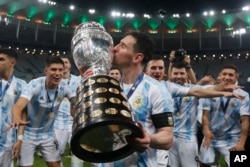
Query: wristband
{"x": 20, "y": 137}
{"x": 188, "y": 67}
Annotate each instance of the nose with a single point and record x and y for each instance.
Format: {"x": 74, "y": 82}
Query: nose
{"x": 178, "y": 75}
{"x": 227, "y": 78}
{"x": 158, "y": 70}
{"x": 58, "y": 72}
{"x": 115, "y": 48}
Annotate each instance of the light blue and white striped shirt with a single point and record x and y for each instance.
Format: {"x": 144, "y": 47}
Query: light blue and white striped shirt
{"x": 8, "y": 138}
{"x": 63, "y": 119}
{"x": 40, "y": 107}
{"x": 149, "y": 98}
{"x": 185, "y": 111}
{"x": 224, "y": 120}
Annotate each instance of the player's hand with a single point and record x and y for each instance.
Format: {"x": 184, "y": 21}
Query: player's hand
{"x": 139, "y": 144}
{"x": 16, "y": 149}
{"x": 17, "y": 123}
{"x": 187, "y": 59}
{"x": 208, "y": 137}
{"x": 237, "y": 148}
{"x": 172, "y": 56}
{"x": 234, "y": 95}
{"x": 88, "y": 73}
{"x": 230, "y": 87}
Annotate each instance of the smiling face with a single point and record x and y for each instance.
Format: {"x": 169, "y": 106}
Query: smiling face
{"x": 179, "y": 75}
{"x": 156, "y": 69}
{"x": 67, "y": 65}
{"x": 54, "y": 74}
{"x": 115, "y": 73}
{"x": 228, "y": 76}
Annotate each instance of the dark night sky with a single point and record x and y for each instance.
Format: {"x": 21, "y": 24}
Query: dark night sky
{"x": 151, "y": 6}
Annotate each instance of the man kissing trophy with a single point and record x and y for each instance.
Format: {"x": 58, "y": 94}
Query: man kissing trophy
{"x": 103, "y": 116}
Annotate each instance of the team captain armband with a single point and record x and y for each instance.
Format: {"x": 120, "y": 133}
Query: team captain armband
{"x": 163, "y": 120}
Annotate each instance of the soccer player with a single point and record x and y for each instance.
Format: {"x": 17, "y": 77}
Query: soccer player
{"x": 64, "y": 120}
{"x": 10, "y": 89}
{"x": 42, "y": 97}
{"x": 225, "y": 121}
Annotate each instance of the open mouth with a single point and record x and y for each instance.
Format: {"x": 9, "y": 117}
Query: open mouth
{"x": 157, "y": 77}
{"x": 57, "y": 79}
{"x": 179, "y": 81}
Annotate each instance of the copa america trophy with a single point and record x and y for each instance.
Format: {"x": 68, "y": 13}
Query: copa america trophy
{"x": 103, "y": 116}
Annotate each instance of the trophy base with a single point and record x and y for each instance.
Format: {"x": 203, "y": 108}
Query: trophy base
{"x": 104, "y": 140}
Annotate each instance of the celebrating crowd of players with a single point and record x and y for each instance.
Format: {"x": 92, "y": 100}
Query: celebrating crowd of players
{"x": 169, "y": 107}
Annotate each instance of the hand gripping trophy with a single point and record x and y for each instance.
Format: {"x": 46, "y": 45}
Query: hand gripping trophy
{"x": 103, "y": 116}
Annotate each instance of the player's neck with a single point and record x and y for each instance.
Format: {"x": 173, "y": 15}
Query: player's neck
{"x": 6, "y": 76}
{"x": 130, "y": 75}
{"x": 66, "y": 75}
{"x": 50, "y": 86}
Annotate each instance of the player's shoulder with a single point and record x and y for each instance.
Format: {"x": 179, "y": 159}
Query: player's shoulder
{"x": 37, "y": 82}
{"x": 151, "y": 81}
{"x": 155, "y": 86}
{"x": 241, "y": 92}
{"x": 19, "y": 80}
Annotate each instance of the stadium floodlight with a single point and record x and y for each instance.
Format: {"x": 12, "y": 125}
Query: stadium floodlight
{"x": 72, "y": 7}
{"x": 115, "y": 14}
{"x": 176, "y": 15}
{"x": 130, "y": 15}
{"x": 239, "y": 31}
{"x": 92, "y": 11}
{"x": 211, "y": 13}
{"x": 205, "y": 13}
{"x": 146, "y": 16}
{"x": 245, "y": 8}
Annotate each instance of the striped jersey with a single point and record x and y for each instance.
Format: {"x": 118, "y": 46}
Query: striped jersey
{"x": 8, "y": 138}
{"x": 224, "y": 118}
{"x": 42, "y": 103}
{"x": 149, "y": 98}
{"x": 185, "y": 111}
{"x": 63, "y": 119}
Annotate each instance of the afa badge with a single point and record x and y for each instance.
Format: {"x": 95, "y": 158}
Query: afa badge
{"x": 15, "y": 92}
{"x": 170, "y": 120}
{"x": 232, "y": 104}
{"x": 59, "y": 98}
{"x": 138, "y": 101}
{"x": 185, "y": 99}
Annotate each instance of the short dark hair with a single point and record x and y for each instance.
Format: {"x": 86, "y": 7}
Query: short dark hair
{"x": 144, "y": 44}
{"x": 66, "y": 57}
{"x": 157, "y": 57}
{"x": 115, "y": 68}
{"x": 179, "y": 65}
{"x": 230, "y": 66}
{"x": 154, "y": 58}
{"x": 9, "y": 52}
{"x": 53, "y": 60}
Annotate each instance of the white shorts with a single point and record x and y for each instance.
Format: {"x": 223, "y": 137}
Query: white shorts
{"x": 184, "y": 153}
{"x": 63, "y": 137}
{"x": 210, "y": 155}
{"x": 48, "y": 148}
{"x": 5, "y": 158}
{"x": 162, "y": 158}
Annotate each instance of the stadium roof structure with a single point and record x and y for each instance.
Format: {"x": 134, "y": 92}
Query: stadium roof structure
{"x": 51, "y": 25}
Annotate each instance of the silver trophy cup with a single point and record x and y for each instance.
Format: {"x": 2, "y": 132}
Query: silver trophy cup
{"x": 103, "y": 116}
